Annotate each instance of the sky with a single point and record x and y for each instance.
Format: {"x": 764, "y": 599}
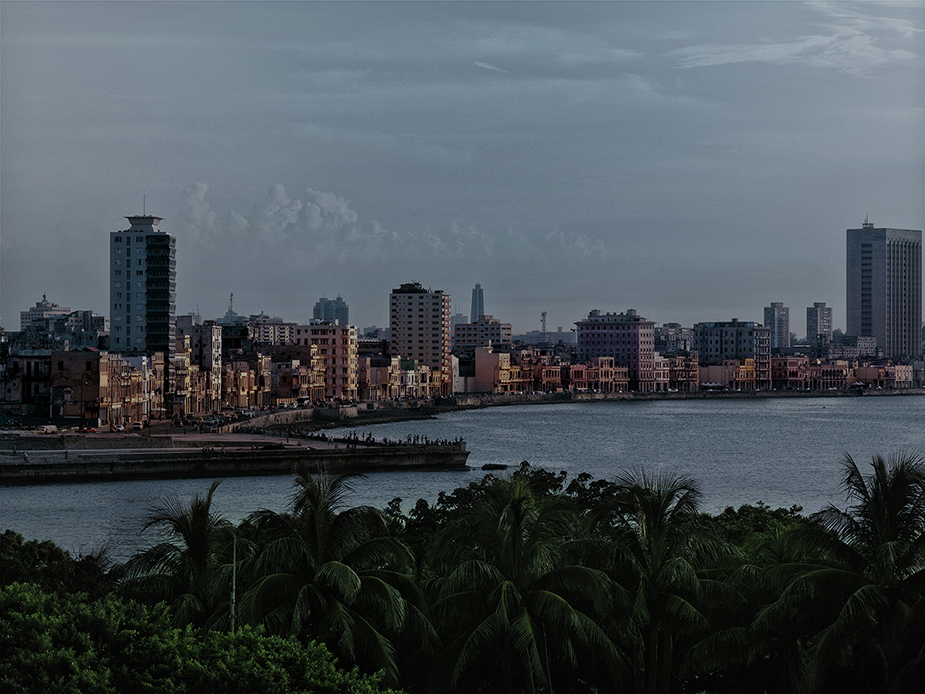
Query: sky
{"x": 692, "y": 160}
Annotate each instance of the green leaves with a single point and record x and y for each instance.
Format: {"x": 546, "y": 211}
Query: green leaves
{"x": 65, "y": 644}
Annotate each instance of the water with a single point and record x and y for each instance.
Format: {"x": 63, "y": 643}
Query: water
{"x": 780, "y": 451}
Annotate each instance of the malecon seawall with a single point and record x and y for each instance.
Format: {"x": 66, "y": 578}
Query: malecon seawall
{"x": 45, "y": 467}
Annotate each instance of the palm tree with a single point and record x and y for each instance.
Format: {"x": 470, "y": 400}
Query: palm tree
{"x": 185, "y": 569}
{"x": 659, "y": 554}
{"x": 335, "y": 574}
{"x": 510, "y": 601}
{"x": 867, "y": 587}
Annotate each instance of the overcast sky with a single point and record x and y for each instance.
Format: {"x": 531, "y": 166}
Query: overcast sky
{"x": 692, "y": 160}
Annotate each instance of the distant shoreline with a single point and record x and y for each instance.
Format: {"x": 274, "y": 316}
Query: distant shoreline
{"x": 460, "y": 402}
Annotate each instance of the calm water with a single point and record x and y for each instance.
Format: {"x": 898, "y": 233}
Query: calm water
{"x": 782, "y": 452}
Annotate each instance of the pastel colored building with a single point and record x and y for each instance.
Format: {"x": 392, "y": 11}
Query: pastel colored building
{"x": 337, "y": 347}
{"x": 627, "y": 337}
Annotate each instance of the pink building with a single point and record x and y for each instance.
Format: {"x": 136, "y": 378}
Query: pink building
{"x": 627, "y": 337}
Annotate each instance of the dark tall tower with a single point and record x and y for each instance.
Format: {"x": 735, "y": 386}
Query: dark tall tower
{"x": 884, "y": 288}
{"x": 478, "y": 304}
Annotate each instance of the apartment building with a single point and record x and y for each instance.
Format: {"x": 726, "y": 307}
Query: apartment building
{"x": 142, "y": 288}
{"x": 419, "y": 328}
{"x": 485, "y": 331}
{"x": 627, "y": 337}
{"x": 719, "y": 341}
{"x": 337, "y": 347}
{"x": 777, "y": 318}
{"x": 818, "y": 324}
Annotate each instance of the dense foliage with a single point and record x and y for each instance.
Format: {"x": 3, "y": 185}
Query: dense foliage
{"x": 528, "y": 582}
{"x": 65, "y": 643}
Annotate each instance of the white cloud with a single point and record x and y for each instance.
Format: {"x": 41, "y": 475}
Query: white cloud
{"x": 486, "y": 66}
{"x": 847, "y": 44}
{"x": 321, "y": 228}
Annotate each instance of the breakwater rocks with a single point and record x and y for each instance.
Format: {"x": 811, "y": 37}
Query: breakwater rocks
{"x": 43, "y": 467}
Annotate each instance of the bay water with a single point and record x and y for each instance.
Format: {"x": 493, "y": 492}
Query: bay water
{"x": 781, "y": 451}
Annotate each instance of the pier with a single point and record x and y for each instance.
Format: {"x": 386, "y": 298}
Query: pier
{"x": 72, "y": 458}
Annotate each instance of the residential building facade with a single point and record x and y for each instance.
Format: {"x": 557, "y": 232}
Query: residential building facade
{"x": 720, "y": 341}
{"x": 419, "y": 328}
{"x": 777, "y": 318}
{"x": 818, "y": 324}
{"x": 337, "y": 347}
{"x": 481, "y": 333}
{"x": 627, "y": 337}
{"x": 142, "y": 288}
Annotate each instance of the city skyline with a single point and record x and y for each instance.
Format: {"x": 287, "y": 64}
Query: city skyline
{"x": 693, "y": 161}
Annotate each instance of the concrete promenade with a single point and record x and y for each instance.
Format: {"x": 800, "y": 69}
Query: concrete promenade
{"x": 30, "y": 458}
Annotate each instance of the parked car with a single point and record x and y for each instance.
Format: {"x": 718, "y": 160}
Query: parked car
{"x": 137, "y": 426}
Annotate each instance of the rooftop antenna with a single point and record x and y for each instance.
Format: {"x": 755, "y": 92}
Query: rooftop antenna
{"x": 867, "y": 223}
{"x": 143, "y": 207}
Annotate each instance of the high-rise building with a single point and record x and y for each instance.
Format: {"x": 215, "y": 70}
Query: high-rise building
{"x": 478, "y": 304}
{"x": 419, "y": 327}
{"x": 332, "y": 310}
{"x": 777, "y": 318}
{"x": 627, "y": 337}
{"x": 884, "y": 288}
{"x": 818, "y": 323}
{"x": 142, "y": 288}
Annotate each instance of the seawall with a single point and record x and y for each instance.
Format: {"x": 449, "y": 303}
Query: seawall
{"x": 45, "y": 467}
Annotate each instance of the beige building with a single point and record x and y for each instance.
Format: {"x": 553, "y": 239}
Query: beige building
{"x": 205, "y": 353}
{"x": 485, "y": 331}
{"x": 337, "y": 347}
{"x": 41, "y": 312}
{"x": 419, "y": 328}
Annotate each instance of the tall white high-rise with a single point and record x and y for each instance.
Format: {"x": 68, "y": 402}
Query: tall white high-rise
{"x": 777, "y": 318}
{"x": 478, "y": 304}
{"x": 419, "y": 327}
{"x": 884, "y": 288}
{"x": 142, "y": 288}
